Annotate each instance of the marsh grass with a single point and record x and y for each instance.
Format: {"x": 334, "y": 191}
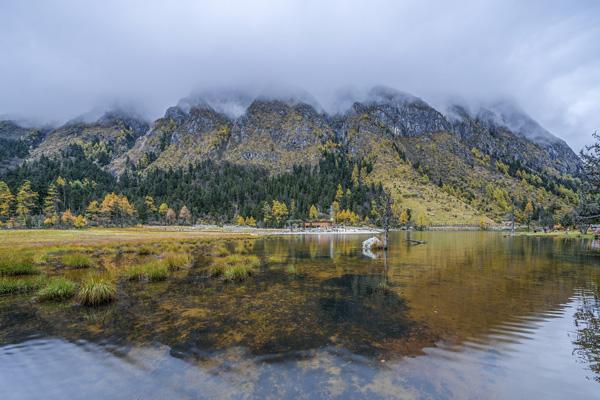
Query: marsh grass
{"x": 153, "y": 271}
{"x": 96, "y": 290}
{"x": 176, "y": 261}
{"x": 146, "y": 251}
{"x": 76, "y": 260}
{"x": 57, "y": 288}
{"x": 234, "y": 267}
{"x": 12, "y": 264}
{"x": 219, "y": 250}
{"x": 21, "y": 285}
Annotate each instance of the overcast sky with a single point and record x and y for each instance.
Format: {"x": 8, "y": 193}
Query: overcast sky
{"x": 59, "y": 59}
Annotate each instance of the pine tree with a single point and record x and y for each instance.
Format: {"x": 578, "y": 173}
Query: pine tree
{"x": 93, "y": 211}
{"x": 26, "y": 199}
{"x": 267, "y": 214}
{"x": 51, "y": 201}
{"x": 6, "y": 200}
{"x": 150, "y": 206}
{"x": 339, "y": 193}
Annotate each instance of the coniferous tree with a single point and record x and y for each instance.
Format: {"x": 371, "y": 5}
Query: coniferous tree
{"x": 26, "y": 199}
{"x": 51, "y": 201}
{"x": 6, "y": 200}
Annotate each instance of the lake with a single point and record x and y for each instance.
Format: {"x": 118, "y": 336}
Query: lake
{"x": 467, "y": 315}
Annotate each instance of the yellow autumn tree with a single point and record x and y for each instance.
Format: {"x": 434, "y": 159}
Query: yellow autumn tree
{"x": 313, "y": 213}
{"x": 280, "y": 212}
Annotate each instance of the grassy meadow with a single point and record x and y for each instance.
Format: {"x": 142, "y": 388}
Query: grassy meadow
{"x": 93, "y": 267}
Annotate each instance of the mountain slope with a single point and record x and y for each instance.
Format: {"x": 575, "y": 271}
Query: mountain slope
{"x": 456, "y": 167}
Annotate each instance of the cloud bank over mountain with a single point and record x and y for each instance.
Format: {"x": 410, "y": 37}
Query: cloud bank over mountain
{"x": 65, "y": 58}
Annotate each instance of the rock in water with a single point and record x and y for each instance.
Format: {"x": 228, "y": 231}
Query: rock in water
{"x": 372, "y": 244}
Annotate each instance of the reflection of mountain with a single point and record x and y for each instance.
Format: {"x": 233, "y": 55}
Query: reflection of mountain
{"x": 459, "y": 287}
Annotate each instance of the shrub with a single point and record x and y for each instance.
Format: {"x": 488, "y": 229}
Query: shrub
{"x": 175, "y": 261}
{"x": 58, "y": 288}
{"x": 234, "y": 267}
{"x": 14, "y": 286}
{"x": 76, "y": 260}
{"x": 12, "y": 265}
{"x": 97, "y": 290}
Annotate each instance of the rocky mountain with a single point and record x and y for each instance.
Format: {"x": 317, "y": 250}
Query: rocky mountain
{"x": 456, "y": 166}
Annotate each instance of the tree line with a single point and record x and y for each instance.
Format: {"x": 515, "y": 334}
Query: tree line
{"x": 72, "y": 190}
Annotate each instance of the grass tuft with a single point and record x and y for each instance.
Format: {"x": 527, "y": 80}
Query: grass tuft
{"x": 58, "y": 288}
{"x": 175, "y": 261}
{"x": 153, "y": 271}
{"x": 13, "y": 265}
{"x": 219, "y": 250}
{"x": 97, "y": 290}
{"x": 16, "y": 286}
{"x": 234, "y": 267}
{"x": 76, "y": 260}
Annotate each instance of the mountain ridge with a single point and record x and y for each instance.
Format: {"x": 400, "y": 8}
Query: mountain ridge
{"x": 456, "y": 153}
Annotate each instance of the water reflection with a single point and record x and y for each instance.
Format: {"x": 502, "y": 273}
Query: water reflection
{"x": 469, "y": 315}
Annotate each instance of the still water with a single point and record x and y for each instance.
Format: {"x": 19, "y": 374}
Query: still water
{"x": 464, "y": 315}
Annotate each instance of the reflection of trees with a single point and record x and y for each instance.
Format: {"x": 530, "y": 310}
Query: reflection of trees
{"x": 587, "y": 340}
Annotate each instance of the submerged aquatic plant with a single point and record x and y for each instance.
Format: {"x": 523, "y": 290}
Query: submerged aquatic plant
{"x": 14, "y": 264}
{"x": 97, "y": 290}
{"x": 76, "y": 260}
{"x": 21, "y": 285}
{"x": 234, "y": 267}
{"x": 58, "y": 288}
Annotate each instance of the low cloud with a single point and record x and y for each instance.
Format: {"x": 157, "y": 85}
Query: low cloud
{"x": 64, "y": 58}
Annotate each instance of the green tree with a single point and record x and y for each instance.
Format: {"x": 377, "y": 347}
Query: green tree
{"x": 267, "y": 214}
{"x": 150, "y": 206}
{"x": 339, "y": 193}
{"x": 587, "y": 211}
{"x": 26, "y": 199}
